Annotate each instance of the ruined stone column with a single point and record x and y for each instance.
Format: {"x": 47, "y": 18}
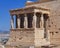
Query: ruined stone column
{"x": 18, "y": 21}
{"x": 42, "y": 21}
{"x": 34, "y": 20}
{"x": 25, "y": 22}
{"x": 12, "y": 22}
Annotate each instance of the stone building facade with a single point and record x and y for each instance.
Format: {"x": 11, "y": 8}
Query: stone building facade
{"x": 37, "y": 25}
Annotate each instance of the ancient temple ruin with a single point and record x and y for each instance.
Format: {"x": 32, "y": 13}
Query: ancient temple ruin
{"x": 35, "y": 26}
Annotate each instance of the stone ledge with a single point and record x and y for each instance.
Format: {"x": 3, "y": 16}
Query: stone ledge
{"x": 23, "y": 29}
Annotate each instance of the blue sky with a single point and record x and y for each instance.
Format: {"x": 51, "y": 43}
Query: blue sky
{"x": 5, "y": 6}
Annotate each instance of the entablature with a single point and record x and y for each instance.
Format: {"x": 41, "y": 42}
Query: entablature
{"x": 31, "y": 9}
